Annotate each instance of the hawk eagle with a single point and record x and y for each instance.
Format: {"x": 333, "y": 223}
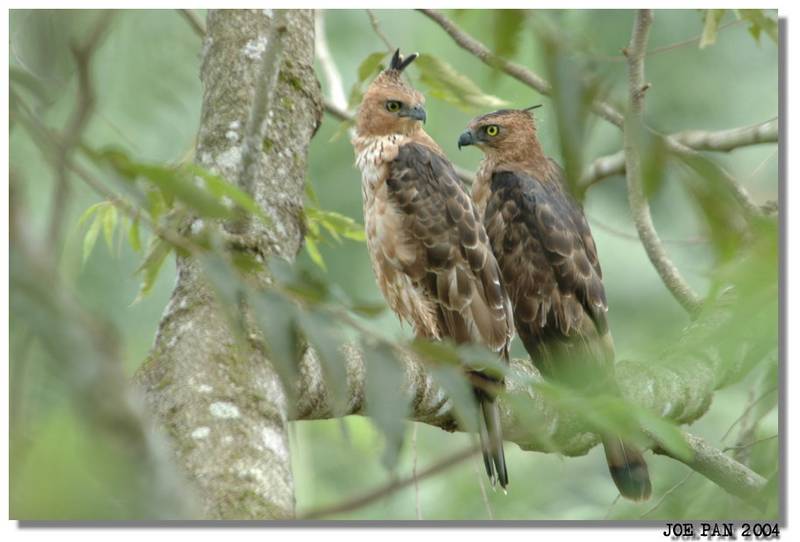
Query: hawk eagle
{"x": 550, "y": 268}
{"x": 429, "y": 250}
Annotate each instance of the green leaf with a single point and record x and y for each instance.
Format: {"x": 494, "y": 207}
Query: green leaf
{"x": 710, "y": 26}
{"x": 314, "y": 253}
{"x": 173, "y": 182}
{"x": 369, "y": 66}
{"x": 437, "y": 352}
{"x": 759, "y": 22}
{"x": 109, "y": 217}
{"x": 90, "y": 211}
{"x": 668, "y": 435}
{"x": 157, "y": 252}
{"x": 335, "y": 224}
{"x": 221, "y": 188}
{"x": 91, "y": 237}
{"x": 133, "y": 235}
{"x": 445, "y": 83}
{"x": 386, "y": 402}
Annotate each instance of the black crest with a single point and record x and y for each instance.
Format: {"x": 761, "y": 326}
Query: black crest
{"x": 531, "y": 108}
{"x": 399, "y": 63}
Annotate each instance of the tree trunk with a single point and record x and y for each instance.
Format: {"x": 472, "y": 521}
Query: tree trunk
{"x": 224, "y": 407}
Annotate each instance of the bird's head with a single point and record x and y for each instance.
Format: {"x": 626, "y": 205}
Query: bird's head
{"x": 390, "y": 105}
{"x": 501, "y": 132}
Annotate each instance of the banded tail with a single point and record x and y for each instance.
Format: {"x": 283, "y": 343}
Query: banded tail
{"x": 491, "y": 436}
{"x": 628, "y": 469}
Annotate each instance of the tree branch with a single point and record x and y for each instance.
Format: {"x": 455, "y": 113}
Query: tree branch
{"x": 675, "y": 388}
{"x": 640, "y": 208}
{"x": 524, "y": 75}
{"x": 723, "y": 470}
{"x": 701, "y": 140}
{"x": 376, "y": 27}
{"x": 194, "y": 21}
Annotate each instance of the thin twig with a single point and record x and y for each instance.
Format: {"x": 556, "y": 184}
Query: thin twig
{"x": 690, "y": 41}
{"x": 640, "y": 208}
{"x": 332, "y": 75}
{"x": 194, "y": 21}
{"x": 391, "y": 487}
{"x": 749, "y": 444}
{"x": 633, "y": 237}
{"x": 376, "y": 26}
{"x": 665, "y": 48}
{"x": 747, "y": 411}
{"x": 732, "y": 476}
{"x": 611, "y": 506}
{"x": 414, "y": 469}
{"x": 666, "y": 494}
{"x": 478, "y": 469}
{"x": 73, "y": 131}
{"x": 520, "y": 73}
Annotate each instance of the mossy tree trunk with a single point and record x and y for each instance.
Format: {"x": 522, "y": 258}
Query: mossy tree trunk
{"x": 224, "y": 407}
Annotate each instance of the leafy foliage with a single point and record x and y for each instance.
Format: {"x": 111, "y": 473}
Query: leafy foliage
{"x": 336, "y": 225}
{"x": 304, "y": 308}
{"x": 759, "y": 21}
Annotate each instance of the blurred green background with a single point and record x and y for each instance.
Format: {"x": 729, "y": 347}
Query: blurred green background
{"x": 149, "y": 95}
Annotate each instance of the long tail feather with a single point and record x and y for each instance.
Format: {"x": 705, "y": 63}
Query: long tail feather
{"x": 492, "y": 442}
{"x": 628, "y": 469}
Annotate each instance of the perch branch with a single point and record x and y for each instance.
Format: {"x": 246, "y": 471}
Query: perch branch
{"x": 679, "y": 390}
{"x": 637, "y": 199}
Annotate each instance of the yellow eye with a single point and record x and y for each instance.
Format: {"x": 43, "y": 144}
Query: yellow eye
{"x": 492, "y": 130}
{"x": 393, "y": 106}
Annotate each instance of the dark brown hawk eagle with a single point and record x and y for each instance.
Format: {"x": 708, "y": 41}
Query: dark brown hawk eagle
{"x": 428, "y": 247}
{"x": 550, "y": 268}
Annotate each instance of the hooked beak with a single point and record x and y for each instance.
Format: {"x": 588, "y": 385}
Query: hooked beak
{"x": 417, "y": 112}
{"x": 466, "y": 139}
